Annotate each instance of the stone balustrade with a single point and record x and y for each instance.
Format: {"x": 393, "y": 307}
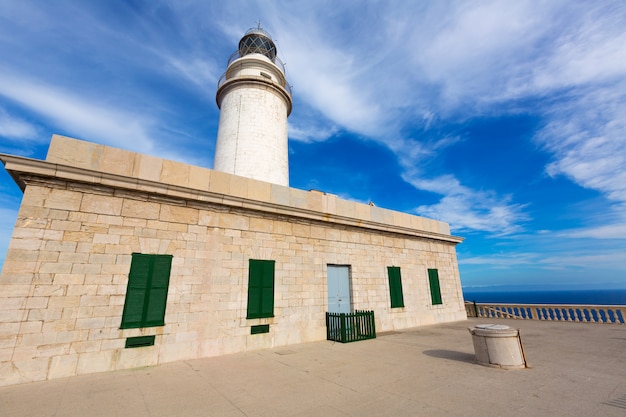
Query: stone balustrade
{"x": 550, "y": 312}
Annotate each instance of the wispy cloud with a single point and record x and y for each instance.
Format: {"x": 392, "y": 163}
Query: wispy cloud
{"x": 107, "y": 94}
{"x": 587, "y": 137}
{"x": 553, "y": 252}
{"x": 502, "y": 260}
{"x": 608, "y": 229}
{"x": 585, "y": 259}
{"x": 17, "y": 129}
{"x": 77, "y": 115}
{"x": 475, "y": 210}
{"x": 542, "y": 261}
{"x": 328, "y": 84}
{"x": 612, "y": 231}
{"x": 311, "y": 133}
{"x": 200, "y": 72}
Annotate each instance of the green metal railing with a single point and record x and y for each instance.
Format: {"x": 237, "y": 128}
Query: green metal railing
{"x": 352, "y": 327}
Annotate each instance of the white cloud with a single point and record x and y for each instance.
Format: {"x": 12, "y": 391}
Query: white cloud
{"x": 476, "y": 47}
{"x": 502, "y": 260}
{"x": 328, "y": 83}
{"x": 202, "y": 73}
{"x": 490, "y": 52}
{"x": 474, "y": 210}
{"x": 445, "y": 184}
{"x": 609, "y": 231}
{"x": 615, "y": 259}
{"x": 591, "y": 48}
{"x": 609, "y": 224}
{"x": 587, "y": 137}
{"x": 115, "y": 124}
{"x": 462, "y": 207}
{"x": 15, "y": 128}
{"x": 586, "y": 129}
{"x": 555, "y": 252}
{"x": 310, "y": 132}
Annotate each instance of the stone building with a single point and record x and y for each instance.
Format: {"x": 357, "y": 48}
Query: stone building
{"x": 121, "y": 260}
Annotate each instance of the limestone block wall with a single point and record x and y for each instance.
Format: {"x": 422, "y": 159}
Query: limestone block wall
{"x": 63, "y": 285}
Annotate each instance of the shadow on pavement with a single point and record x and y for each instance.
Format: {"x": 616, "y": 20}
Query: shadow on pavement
{"x": 451, "y": 354}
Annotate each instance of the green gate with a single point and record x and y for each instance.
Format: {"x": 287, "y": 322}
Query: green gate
{"x": 345, "y": 328}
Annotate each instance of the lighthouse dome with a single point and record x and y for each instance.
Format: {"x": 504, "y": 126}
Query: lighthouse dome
{"x": 257, "y": 41}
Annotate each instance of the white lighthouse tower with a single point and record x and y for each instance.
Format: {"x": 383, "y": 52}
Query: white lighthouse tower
{"x": 254, "y": 100}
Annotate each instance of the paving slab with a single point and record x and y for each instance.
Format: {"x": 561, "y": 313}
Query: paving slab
{"x": 576, "y": 369}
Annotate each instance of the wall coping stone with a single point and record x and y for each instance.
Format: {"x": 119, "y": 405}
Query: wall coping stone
{"x": 299, "y": 206}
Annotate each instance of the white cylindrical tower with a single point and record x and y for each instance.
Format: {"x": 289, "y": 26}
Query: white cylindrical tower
{"x": 254, "y": 99}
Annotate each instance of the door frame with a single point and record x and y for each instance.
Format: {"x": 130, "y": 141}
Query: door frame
{"x": 349, "y": 286}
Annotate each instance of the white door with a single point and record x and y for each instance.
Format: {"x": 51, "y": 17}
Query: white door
{"x": 339, "y": 289}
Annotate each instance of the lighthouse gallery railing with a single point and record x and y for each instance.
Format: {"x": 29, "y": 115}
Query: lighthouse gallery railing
{"x": 276, "y": 60}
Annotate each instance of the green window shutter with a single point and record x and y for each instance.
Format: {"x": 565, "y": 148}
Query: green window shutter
{"x": 260, "y": 289}
{"x": 267, "y": 290}
{"x": 156, "y": 298}
{"x": 395, "y": 286}
{"x": 255, "y": 280}
{"x": 136, "y": 291}
{"x": 435, "y": 291}
{"x": 146, "y": 294}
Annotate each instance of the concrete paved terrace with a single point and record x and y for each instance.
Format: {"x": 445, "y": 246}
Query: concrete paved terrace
{"x": 576, "y": 369}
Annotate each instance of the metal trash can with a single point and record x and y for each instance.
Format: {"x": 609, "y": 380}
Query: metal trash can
{"x": 498, "y": 346}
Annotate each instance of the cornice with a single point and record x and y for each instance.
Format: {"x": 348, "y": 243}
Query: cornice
{"x": 21, "y": 168}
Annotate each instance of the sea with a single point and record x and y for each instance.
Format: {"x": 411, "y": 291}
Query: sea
{"x": 595, "y": 297}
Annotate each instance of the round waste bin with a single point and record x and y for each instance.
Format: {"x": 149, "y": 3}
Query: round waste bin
{"x": 498, "y": 346}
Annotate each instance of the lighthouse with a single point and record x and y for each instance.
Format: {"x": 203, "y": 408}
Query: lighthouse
{"x": 254, "y": 99}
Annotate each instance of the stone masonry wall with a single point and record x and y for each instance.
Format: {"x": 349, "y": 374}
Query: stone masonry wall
{"x": 63, "y": 284}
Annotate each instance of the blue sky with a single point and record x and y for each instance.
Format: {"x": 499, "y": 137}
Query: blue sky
{"x": 505, "y": 119}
